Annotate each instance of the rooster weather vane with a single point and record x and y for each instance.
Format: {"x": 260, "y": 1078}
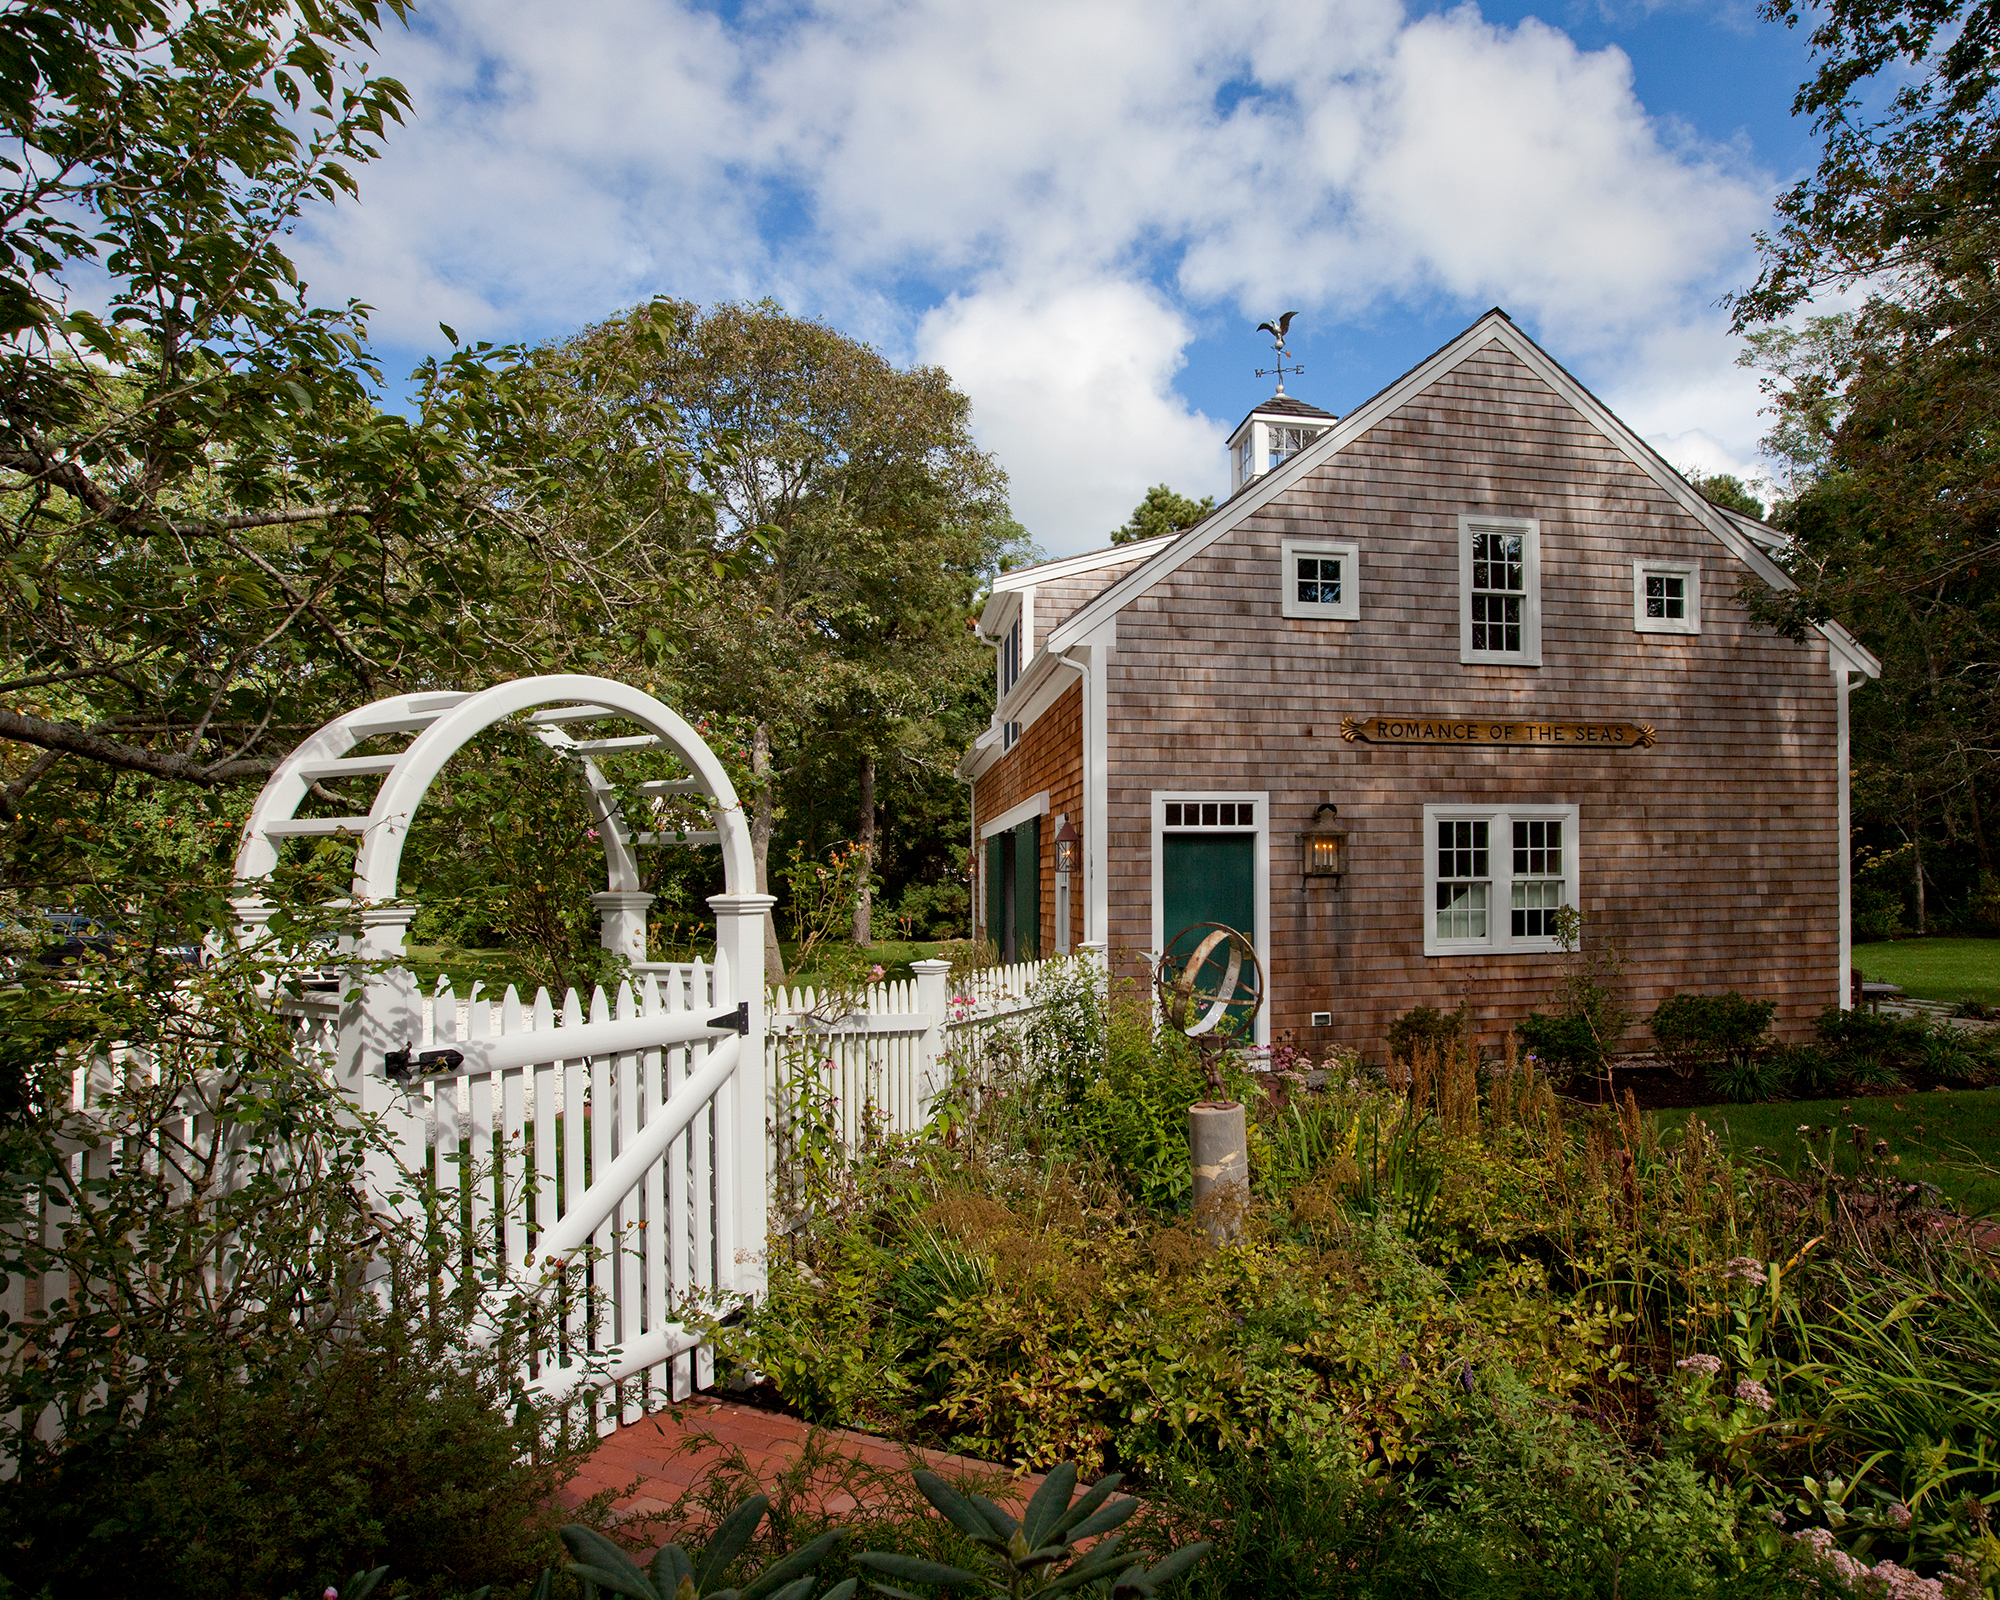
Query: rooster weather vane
{"x": 1277, "y": 330}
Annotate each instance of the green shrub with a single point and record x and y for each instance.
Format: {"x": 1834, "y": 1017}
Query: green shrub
{"x": 1426, "y": 1028}
{"x": 1810, "y": 1071}
{"x": 241, "y": 1407}
{"x": 1750, "y": 1079}
{"x": 1704, "y": 1033}
{"x": 1564, "y": 1045}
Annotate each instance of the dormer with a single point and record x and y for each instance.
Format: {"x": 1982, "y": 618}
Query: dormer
{"x": 1280, "y": 428}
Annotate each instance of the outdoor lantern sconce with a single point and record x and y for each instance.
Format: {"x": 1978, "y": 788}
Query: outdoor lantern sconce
{"x": 1325, "y": 844}
{"x": 1068, "y": 841}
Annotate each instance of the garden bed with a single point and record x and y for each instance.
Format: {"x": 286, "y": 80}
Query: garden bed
{"x": 1469, "y": 1328}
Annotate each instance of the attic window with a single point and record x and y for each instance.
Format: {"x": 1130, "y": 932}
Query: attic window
{"x": 1666, "y": 597}
{"x": 1321, "y": 578}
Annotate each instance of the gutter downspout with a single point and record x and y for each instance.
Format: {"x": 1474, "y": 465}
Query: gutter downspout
{"x": 1843, "y": 680}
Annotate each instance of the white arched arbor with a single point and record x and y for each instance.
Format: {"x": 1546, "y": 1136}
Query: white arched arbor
{"x": 380, "y": 1015}
{"x": 443, "y": 725}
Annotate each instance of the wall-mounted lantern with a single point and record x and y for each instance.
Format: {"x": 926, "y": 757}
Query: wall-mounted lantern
{"x": 1069, "y": 848}
{"x": 1324, "y": 845}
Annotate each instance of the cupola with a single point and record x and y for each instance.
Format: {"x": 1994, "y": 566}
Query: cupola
{"x": 1278, "y": 429}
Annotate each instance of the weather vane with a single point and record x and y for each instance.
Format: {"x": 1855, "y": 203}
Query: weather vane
{"x": 1277, "y": 331}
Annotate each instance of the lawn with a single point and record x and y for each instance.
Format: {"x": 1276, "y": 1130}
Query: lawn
{"x": 1935, "y": 969}
{"x": 1946, "y": 1138}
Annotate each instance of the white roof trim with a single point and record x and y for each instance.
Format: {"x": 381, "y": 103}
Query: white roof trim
{"x": 1493, "y": 328}
{"x": 1036, "y": 806}
{"x": 1089, "y": 561}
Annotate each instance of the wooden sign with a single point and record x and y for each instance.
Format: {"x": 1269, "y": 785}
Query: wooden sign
{"x": 1566, "y": 732}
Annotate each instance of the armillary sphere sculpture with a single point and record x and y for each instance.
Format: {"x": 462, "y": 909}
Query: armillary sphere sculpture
{"x": 1215, "y": 994}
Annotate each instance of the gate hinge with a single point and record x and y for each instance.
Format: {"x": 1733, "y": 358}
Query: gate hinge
{"x": 400, "y": 1067}
{"x": 739, "y": 1019}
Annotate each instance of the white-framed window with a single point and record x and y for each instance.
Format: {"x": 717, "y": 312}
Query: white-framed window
{"x": 1322, "y": 578}
{"x": 1500, "y": 590}
{"x": 1286, "y": 441}
{"x": 1666, "y": 597}
{"x": 1010, "y": 657}
{"x": 1495, "y": 876}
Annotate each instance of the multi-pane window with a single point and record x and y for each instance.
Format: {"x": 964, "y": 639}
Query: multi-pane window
{"x": 1494, "y": 879}
{"x": 1499, "y": 592}
{"x": 1464, "y": 884}
{"x": 1500, "y": 601}
{"x": 1538, "y": 878}
{"x": 1320, "y": 578}
{"x": 1010, "y": 658}
{"x": 1211, "y": 814}
{"x": 1666, "y": 597}
{"x": 1286, "y": 442}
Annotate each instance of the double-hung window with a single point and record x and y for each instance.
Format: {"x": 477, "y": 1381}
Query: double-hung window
{"x": 1322, "y": 578}
{"x": 1494, "y": 877}
{"x": 1500, "y": 590}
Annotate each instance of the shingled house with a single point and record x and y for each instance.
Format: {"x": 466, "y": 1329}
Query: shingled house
{"x": 1435, "y": 669}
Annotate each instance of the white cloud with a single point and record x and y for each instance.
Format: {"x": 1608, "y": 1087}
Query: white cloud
{"x": 1042, "y": 196}
{"x": 1084, "y": 435}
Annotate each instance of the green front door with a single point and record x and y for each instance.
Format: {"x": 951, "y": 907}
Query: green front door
{"x": 1207, "y": 877}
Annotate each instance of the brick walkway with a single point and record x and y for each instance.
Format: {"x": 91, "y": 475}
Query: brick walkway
{"x": 649, "y": 1464}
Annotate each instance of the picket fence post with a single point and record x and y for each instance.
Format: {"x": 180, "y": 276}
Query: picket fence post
{"x": 934, "y": 1001}
{"x": 739, "y": 942}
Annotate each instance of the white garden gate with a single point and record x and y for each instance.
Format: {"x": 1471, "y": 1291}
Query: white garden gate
{"x": 633, "y": 1137}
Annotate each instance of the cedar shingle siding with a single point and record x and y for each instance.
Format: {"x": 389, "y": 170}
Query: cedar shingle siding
{"x": 1712, "y": 860}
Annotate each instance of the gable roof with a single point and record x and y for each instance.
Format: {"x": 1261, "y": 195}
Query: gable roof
{"x": 1744, "y": 538}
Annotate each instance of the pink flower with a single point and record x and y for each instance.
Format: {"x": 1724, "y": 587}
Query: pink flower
{"x": 1745, "y": 1269}
{"x": 1707, "y": 1366}
{"x": 875, "y": 973}
{"x": 1753, "y": 1393}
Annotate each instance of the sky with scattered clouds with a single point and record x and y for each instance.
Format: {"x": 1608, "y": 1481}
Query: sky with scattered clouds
{"x": 1081, "y": 211}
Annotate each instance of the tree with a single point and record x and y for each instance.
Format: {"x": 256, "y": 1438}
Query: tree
{"x": 1162, "y": 511}
{"x": 1729, "y": 491}
{"x": 208, "y": 532}
{"x": 808, "y": 559}
{"x": 1887, "y": 414}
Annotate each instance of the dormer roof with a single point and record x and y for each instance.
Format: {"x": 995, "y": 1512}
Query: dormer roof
{"x": 1284, "y": 405}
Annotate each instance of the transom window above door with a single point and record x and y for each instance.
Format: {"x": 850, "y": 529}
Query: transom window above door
{"x": 1211, "y": 814}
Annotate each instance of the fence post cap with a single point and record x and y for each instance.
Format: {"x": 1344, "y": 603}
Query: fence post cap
{"x": 930, "y": 965}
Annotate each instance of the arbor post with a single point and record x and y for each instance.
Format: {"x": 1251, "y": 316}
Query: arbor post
{"x": 381, "y": 1011}
{"x": 934, "y": 1001}
{"x": 739, "y": 949}
{"x": 622, "y": 921}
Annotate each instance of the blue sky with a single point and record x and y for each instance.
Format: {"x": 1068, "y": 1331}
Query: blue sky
{"x": 1081, "y": 212}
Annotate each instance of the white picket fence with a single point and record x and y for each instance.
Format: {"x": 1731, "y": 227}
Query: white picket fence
{"x": 881, "y": 1053}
